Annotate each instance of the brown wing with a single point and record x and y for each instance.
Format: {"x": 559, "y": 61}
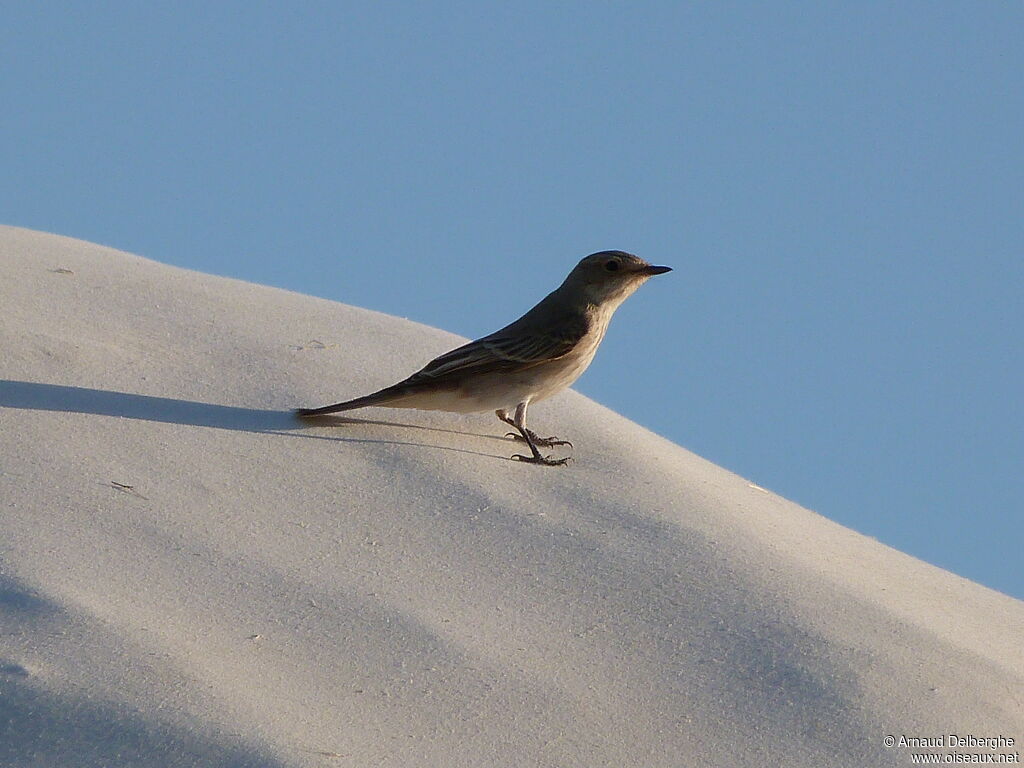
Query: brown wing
{"x": 510, "y": 348}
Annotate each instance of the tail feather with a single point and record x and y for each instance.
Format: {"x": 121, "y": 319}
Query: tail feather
{"x": 387, "y": 396}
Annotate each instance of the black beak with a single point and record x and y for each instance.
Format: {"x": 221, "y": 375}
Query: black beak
{"x": 652, "y": 270}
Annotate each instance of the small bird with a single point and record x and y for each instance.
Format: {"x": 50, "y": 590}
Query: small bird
{"x": 537, "y": 356}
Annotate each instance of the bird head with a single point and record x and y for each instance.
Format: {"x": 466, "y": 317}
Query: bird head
{"x": 610, "y": 277}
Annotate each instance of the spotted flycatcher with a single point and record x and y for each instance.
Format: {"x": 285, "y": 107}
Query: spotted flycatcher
{"x": 537, "y": 356}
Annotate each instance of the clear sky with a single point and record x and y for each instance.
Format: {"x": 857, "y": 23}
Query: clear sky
{"x": 838, "y": 186}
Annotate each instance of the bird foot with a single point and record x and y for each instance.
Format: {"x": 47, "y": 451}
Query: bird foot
{"x": 547, "y": 461}
{"x": 543, "y": 442}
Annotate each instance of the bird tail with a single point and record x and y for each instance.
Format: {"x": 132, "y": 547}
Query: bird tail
{"x": 388, "y": 396}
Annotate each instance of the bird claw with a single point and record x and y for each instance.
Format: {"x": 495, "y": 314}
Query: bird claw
{"x": 543, "y": 442}
{"x": 545, "y": 460}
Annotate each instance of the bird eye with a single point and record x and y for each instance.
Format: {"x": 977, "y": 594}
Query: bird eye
{"x": 612, "y": 266}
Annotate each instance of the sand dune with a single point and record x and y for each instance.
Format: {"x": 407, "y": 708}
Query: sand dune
{"x": 189, "y": 576}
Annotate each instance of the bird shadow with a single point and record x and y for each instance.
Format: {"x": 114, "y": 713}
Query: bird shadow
{"x": 35, "y": 396}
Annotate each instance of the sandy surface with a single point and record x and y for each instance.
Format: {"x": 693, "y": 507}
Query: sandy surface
{"x": 189, "y": 576}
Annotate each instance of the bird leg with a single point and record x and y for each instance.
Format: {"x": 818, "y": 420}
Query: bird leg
{"x": 531, "y": 439}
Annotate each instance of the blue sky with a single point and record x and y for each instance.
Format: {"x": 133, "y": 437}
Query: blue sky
{"x": 838, "y": 186}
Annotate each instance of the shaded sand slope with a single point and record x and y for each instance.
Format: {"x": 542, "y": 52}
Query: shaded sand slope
{"x": 188, "y": 576}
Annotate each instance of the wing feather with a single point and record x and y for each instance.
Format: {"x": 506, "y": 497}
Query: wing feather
{"x": 508, "y": 349}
